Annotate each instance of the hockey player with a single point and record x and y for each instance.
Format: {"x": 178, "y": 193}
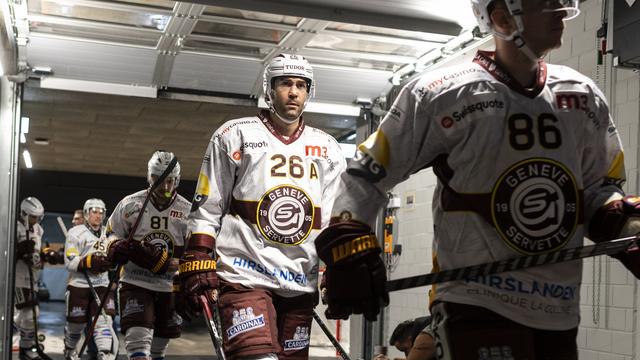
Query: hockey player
{"x": 78, "y": 217}
{"x": 410, "y": 338}
{"x": 147, "y": 306}
{"x": 528, "y": 161}
{"x": 265, "y": 189}
{"x": 28, "y": 264}
{"x": 86, "y": 262}
{"x": 92, "y": 350}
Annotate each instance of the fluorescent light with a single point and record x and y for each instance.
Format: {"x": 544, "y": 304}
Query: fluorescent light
{"x": 50, "y": 82}
{"x": 323, "y": 108}
{"x": 41, "y": 141}
{"x": 27, "y": 159}
{"x": 351, "y": 137}
{"x": 23, "y": 139}
{"x": 24, "y": 125}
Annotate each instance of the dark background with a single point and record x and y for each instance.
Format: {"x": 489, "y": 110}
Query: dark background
{"x": 61, "y": 193}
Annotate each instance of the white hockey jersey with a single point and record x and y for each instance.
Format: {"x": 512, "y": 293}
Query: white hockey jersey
{"x": 520, "y": 171}
{"x": 167, "y": 228}
{"x": 264, "y": 198}
{"x": 82, "y": 241}
{"x": 22, "y": 268}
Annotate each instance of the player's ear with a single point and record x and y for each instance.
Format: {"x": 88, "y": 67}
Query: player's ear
{"x": 501, "y": 20}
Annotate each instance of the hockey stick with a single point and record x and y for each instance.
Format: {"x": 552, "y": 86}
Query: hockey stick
{"x": 116, "y": 279}
{"x": 39, "y": 350}
{"x": 332, "y": 338}
{"x": 210, "y": 318}
{"x": 115, "y": 345}
{"x": 63, "y": 227}
{"x": 519, "y": 263}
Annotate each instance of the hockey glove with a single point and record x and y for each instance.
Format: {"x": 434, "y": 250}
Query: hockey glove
{"x": 355, "y": 276}
{"x": 617, "y": 219}
{"x": 25, "y": 250}
{"x": 146, "y": 255}
{"x": 96, "y": 263}
{"x": 51, "y": 256}
{"x": 197, "y": 277}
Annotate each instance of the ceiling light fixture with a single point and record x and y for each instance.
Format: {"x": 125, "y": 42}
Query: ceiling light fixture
{"x": 27, "y": 159}
{"x": 24, "y": 125}
{"x": 24, "y": 129}
{"x": 41, "y": 141}
{"x": 323, "y": 108}
{"x": 98, "y": 87}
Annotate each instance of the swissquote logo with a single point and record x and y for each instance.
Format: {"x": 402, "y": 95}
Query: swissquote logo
{"x": 285, "y": 215}
{"x": 244, "y": 320}
{"x": 534, "y": 206}
{"x": 300, "y": 339}
{"x": 484, "y": 107}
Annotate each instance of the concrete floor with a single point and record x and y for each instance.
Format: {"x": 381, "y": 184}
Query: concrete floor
{"x": 194, "y": 343}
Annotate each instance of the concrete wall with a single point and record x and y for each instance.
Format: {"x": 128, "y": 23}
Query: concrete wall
{"x": 415, "y": 233}
{"x": 609, "y": 294}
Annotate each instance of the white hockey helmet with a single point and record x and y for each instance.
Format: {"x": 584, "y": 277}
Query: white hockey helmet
{"x": 31, "y": 206}
{"x": 515, "y": 8}
{"x": 158, "y": 164}
{"x": 287, "y": 65}
{"x": 93, "y": 203}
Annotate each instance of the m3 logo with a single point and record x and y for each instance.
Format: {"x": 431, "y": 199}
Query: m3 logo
{"x": 314, "y": 150}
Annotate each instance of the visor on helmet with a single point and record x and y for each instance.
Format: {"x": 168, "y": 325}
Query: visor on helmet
{"x": 547, "y": 6}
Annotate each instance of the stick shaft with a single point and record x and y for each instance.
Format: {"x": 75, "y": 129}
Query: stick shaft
{"x": 34, "y": 299}
{"x": 332, "y": 338}
{"x": 519, "y": 263}
{"x": 210, "y": 320}
{"x": 63, "y": 227}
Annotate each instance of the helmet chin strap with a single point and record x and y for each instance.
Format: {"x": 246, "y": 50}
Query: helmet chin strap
{"x": 517, "y": 38}
{"x": 284, "y": 119}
